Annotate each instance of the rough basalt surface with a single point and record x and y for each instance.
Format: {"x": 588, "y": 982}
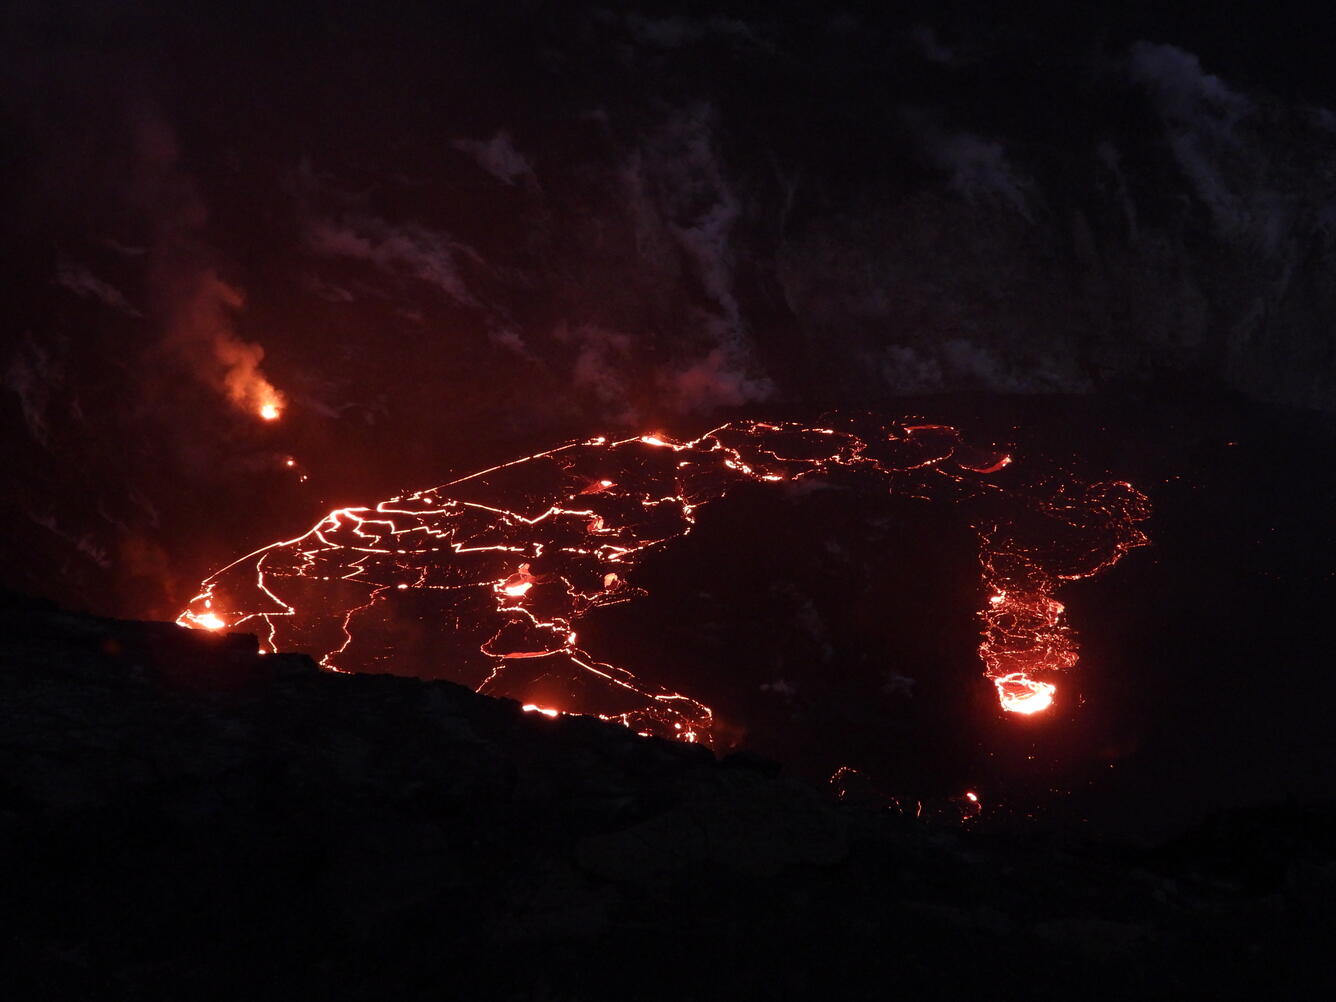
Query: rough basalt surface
{"x": 183, "y": 818}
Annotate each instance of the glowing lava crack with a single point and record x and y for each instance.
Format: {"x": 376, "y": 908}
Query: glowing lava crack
{"x": 484, "y": 579}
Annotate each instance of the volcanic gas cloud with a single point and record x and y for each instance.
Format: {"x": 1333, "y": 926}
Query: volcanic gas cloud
{"x": 495, "y": 570}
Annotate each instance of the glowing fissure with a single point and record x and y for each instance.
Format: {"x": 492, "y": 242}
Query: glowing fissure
{"x": 513, "y": 557}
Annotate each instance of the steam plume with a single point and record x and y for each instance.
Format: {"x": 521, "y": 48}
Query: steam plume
{"x": 199, "y": 307}
{"x": 202, "y": 324}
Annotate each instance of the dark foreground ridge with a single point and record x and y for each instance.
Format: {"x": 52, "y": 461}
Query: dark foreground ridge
{"x": 182, "y": 818}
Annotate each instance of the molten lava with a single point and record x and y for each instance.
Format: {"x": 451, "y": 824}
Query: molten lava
{"x": 208, "y": 621}
{"x": 487, "y": 576}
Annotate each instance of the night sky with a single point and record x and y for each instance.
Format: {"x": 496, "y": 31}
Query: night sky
{"x": 444, "y": 238}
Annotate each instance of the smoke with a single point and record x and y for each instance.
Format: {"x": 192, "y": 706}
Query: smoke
{"x": 498, "y": 157}
{"x": 929, "y": 46}
{"x": 198, "y": 309}
{"x": 977, "y": 169}
{"x": 685, "y": 213}
{"x": 84, "y": 543}
{"x": 1184, "y": 91}
{"x": 680, "y": 171}
{"x": 717, "y": 380}
{"x": 407, "y": 249}
{"x": 600, "y": 363}
{"x": 109, "y": 186}
{"x": 603, "y": 367}
{"x": 202, "y": 322}
{"x": 959, "y": 362}
{"x": 676, "y": 31}
{"x": 33, "y": 375}
{"x": 908, "y": 373}
{"x": 1201, "y": 118}
{"x": 85, "y": 284}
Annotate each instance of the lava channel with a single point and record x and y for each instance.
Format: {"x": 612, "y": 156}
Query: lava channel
{"x": 493, "y": 572}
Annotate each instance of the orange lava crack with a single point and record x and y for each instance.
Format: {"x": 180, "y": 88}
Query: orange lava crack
{"x": 584, "y": 513}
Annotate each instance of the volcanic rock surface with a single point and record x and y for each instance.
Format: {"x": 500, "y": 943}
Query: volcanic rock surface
{"x": 182, "y": 817}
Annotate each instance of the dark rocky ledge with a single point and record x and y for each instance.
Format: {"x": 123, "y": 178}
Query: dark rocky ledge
{"x": 182, "y": 818}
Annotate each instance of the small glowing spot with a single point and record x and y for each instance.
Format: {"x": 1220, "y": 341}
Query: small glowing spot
{"x": 210, "y": 621}
{"x": 652, "y": 440}
{"x": 516, "y": 590}
{"x": 290, "y": 461}
{"x": 269, "y": 412}
{"x": 972, "y": 797}
{"x": 544, "y": 710}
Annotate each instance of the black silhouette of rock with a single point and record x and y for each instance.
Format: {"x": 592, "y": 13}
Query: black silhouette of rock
{"x": 184, "y": 818}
